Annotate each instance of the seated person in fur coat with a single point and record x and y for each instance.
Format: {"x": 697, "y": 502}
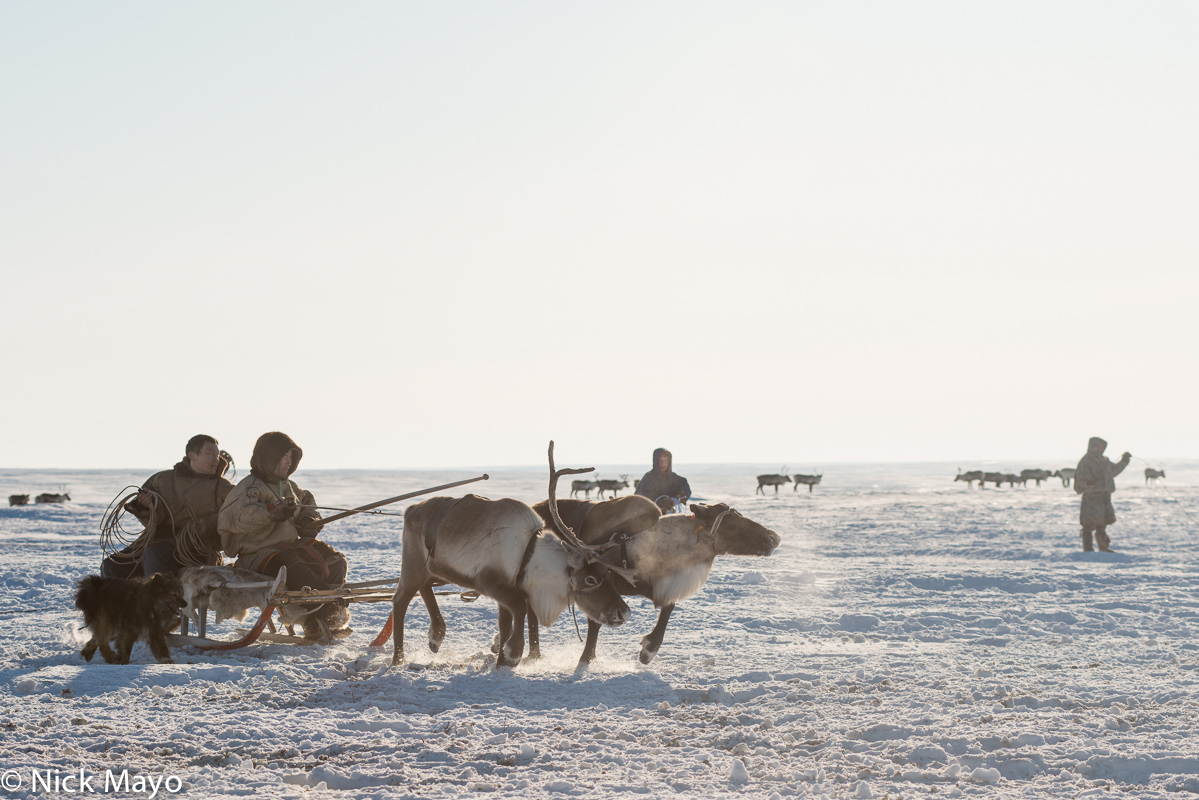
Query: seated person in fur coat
{"x": 268, "y": 522}
{"x": 179, "y": 508}
{"x": 662, "y": 485}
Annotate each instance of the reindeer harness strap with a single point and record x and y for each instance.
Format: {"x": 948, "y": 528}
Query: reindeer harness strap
{"x": 525, "y": 559}
{"x": 622, "y": 540}
{"x": 711, "y": 537}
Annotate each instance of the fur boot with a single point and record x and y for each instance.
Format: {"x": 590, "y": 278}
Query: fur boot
{"x": 330, "y": 621}
{"x": 1086, "y": 541}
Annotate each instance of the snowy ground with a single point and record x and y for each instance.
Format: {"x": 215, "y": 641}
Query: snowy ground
{"x": 911, "y": 637}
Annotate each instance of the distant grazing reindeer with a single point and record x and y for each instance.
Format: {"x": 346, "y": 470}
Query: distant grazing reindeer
{"x": 18, "y": 499}
{"x": 970, "y": 477}
{"x": 671, "y": 555}
{"x": 612, "y": 486}
{"x": 1037, "y": 475}
{"x": 585, "y": 487}
{"x": 1151, "y": 475}
{"x": 810, "y": 480}
{"x": 996, "y": 478}
{"x": 46, "y": 497}
{"x": 773, "y": 480}
{"x": 1066, "y": 475}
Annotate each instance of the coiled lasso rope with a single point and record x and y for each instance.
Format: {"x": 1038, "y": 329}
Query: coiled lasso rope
{"x": 126, "y": 547}
{"x": 116, "y": 541}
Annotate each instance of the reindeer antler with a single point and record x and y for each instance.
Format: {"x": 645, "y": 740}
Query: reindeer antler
{"x": 563, "y": 531}
{"x": 560, "y": 528}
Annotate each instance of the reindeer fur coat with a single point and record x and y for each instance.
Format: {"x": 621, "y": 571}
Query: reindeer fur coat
{"x": 247, "y": 531}
{"x": 186, "y": 496}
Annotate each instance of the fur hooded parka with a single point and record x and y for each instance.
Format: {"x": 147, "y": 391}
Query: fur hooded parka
{"x": 247, "y": 531}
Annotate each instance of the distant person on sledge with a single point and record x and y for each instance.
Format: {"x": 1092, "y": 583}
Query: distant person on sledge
{"x": 268, "y": 522}
{"x": 1095, "y": 481}
{"x": 662, "y": 486}
{"x": 178, "y": 508}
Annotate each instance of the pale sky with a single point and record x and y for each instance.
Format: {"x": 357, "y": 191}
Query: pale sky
{"x": 441, "y": 234}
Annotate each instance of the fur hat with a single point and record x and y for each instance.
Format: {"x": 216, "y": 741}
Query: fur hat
{"x": 269, "y": 448}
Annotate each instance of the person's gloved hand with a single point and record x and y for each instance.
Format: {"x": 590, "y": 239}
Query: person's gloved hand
{"x": 307, "y": 520}
{"x": 281, "y": 509}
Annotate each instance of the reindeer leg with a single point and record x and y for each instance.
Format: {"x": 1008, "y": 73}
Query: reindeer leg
{"x": 653, "y": 640}
{"x": 512, "y": 647}
{"x": 593, "y": 629}
{"x": 504, "y": 618}
{"x": 436, "y": 620}
{"x": 399, "y": 610}
{"x": 534, "y": 636}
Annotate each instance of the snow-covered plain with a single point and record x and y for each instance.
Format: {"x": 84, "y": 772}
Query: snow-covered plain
{"x": 910, "y": 638}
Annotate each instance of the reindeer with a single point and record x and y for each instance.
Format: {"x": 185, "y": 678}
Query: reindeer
{"x": 776, "y": 481}
{"x": 671, "y": 555}
{"x": 1036, "y": 475}
{"x": 996, "y": 478}
{"x": 18, "y": 499}
{"x": 47, "y": 497}
{"x": 810, "y": 480}
{"x": 1066, "y": 475}
{"x": 1151, "y": 475}
{"x": 970, "y": 477}
{"x": 612, "y": 486}
{"x": 503, "y": 549}
{"x": 582, "y": 486}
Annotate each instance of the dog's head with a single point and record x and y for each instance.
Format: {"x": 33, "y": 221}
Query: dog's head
{"x": 164, "y": 594}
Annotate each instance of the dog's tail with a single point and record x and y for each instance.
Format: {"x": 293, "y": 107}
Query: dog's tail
{"x": 87, "y": 597}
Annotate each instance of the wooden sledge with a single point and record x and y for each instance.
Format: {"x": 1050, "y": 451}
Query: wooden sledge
{"x": 367, "y": 592}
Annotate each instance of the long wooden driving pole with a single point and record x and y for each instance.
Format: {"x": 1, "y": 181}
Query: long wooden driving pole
{"x": 391, "y": 500}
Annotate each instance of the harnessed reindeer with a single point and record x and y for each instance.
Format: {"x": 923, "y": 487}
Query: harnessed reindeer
{"x": 671, "y": 555}
{"x": 503, "y": 549}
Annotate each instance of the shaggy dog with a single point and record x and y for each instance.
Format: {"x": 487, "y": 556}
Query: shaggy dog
{"x": 125, "y": 610}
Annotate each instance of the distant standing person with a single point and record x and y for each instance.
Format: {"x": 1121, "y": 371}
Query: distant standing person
{"x": 1095, "y": 481}
{"x": 662, "y": 485}
{"x": 179, "y": 508}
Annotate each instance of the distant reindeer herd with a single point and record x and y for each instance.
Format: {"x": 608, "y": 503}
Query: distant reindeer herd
{"x": 45, "y": 497}
{"x": 778, "y": 479}
{"x": 1037, "y": 475}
